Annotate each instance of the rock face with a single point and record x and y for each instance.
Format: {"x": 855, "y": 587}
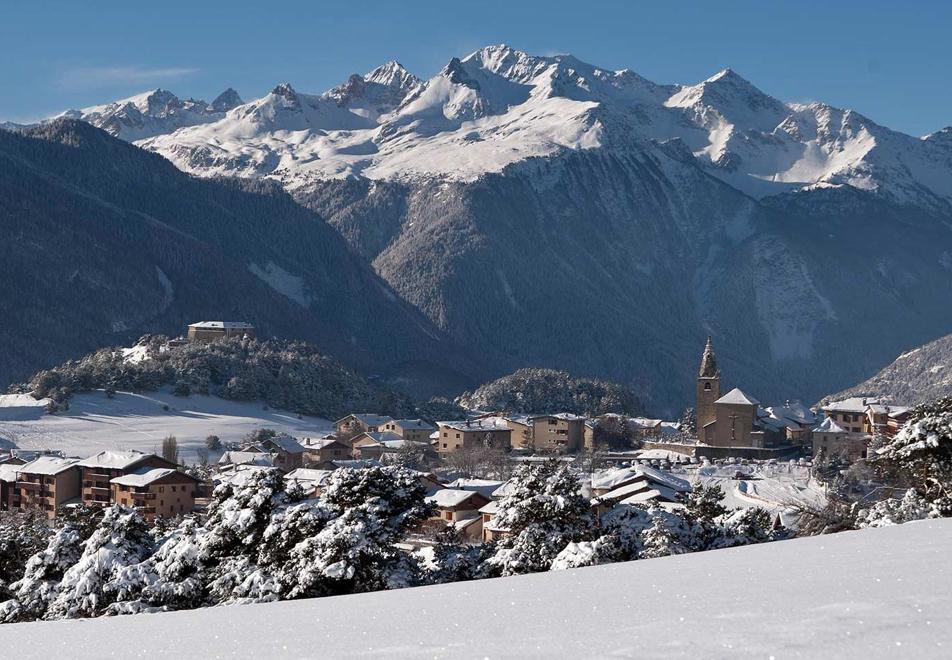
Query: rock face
{"x": 547, "y": 212}
{"x": 103, "y": 242}
{"x": 917, "y": 376}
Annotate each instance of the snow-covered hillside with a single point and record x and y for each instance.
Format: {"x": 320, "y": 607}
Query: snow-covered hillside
{"x": 154, "y": 113}
{"x": 876, "y": 593}
{"x": 499, "y": 106}
{"x": 140, "y": 421}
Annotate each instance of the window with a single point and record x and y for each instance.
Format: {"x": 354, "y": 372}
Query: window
{"x": 707, "y": 387}
{"x": 444, "y": 445}
{"x": 173, "y": 489}
{"x": 161, "y": 489}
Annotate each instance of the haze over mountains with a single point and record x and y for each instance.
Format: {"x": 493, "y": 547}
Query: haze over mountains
{"x": 543, "y": 211}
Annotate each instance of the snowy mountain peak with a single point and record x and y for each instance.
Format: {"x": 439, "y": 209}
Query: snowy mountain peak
{"x": 500, "y": 105}
{"x": 392, "y": 74}
{"x": 226, "y": 101}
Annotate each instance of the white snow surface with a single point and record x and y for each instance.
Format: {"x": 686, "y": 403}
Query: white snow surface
{"x": 875, "y": 593}
{"x": 499, "y": 106}
{"x": 129, "y": 421}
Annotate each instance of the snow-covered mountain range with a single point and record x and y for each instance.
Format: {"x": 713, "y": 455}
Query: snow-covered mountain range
{"x": 154, "y": 113}
{"x": 499, "y": 106}
{"x": 547, "y": 212}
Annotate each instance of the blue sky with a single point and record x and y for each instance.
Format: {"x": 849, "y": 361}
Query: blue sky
{"x": 890, "y": 62}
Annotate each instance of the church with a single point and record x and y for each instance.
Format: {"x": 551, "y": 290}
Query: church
{"x": 731, "y": 420}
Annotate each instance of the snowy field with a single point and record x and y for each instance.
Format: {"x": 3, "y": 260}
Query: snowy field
{"x": 878, "y": 593}
{"x": 139, "y": 421}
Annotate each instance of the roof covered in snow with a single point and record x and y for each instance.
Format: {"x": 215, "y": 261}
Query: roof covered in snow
{"x": 617, "y": 477}
{"x": 246, "y": 458}
{"x": 286, "y": 443}
{"x": 368, "y": 419}
{"x": 450, "y": 497}
{"x": 222, "y": 325}
{"x": 142, "y": 478}
{"x": 8, "y": 472}
{"x": 829, "y": 426}
{"x": 308, "y": 475}
{"x": 114, "y": 460}
{"x": 414, "y": 424}
{"x": 483, "y": 424}
{"x": 48, "y": 465}
{"x": 738, "y": 396}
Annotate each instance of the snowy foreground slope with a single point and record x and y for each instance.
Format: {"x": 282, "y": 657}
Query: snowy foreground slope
{"x": 139, "y": 421}
{"x": 878, "y": 593}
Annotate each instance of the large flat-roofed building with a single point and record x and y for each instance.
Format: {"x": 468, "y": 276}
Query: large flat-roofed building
{"x": 213, "y": 330}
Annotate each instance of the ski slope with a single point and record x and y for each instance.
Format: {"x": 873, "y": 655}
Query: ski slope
{"x": 877, "y": 593}
{"x": 140, "y": 421}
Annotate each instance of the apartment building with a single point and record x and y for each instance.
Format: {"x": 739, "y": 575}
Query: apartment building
{"x": 99, "y": 470}
{"x": 47, "y": 484}
{"x": 155, "y": 492}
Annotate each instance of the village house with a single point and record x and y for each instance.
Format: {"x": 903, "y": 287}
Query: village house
{"x": 561, "y": 432}
{"x": 637, "y": 484}
{"x": 460, "y": 509}
{"x": 834, "y": 441}
{"x": 208, "y": 331}
{"x": 372, "y": 439}
{"x": 644, "y": 428}
{"x": 491, "y": 530}
{"x": 288, "y": 452}
{"x": 246, "y": 458}
{"x": 357, "y": 423}
{"x": 490, "y": 432}
{"x": 156, "y": 492}
{"x": 328, "y": 448}
{"x": 47, "y": 484}
{"x": 520, "y": 431}
{"x": 414, "y": 430}
{"x": 793, "y": 419}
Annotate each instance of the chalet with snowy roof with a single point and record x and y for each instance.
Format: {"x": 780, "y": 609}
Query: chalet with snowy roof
{"x": 48, "y": 484}
{"x": 484, "y": 486}
{"x": 156, "y": 492}
{"x": 357, "y": 423}
{"x": 460, "y": 509}
{"x": 492, "y": 531}
{"x": 793, "y": 419}
{"x": 100, "y": 469}
{"x": 256, "y": 458}
{"x": 369, "y": 445}
{"x": 288, "y": 452}
{"x": 311, "y": 480}
{"x": 637, "y": 484}
{"x": 207, "y": 331}
{"x": 319, "y": 450}
{"x": 414, "y": 430}
{"x": 490, "y": 432}
{"x": 867, "y": 415}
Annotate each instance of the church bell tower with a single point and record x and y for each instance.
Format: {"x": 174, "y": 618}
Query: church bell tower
{"x": 708, "y": 388}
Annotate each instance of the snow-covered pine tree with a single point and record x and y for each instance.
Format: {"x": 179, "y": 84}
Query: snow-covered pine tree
{"x": 170, "y": 579}
{"x": 373, "y": 508}
{"x": 121, "y": 539}
{"x": 33, "y": 593}
{"x": 544, "y": 512}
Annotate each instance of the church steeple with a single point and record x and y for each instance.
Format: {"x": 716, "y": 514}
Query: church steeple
{"x": 708, "y": 362}
{"x": 708, "y": 388}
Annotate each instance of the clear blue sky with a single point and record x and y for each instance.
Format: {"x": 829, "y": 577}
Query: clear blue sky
{"x": 893, "y": 63}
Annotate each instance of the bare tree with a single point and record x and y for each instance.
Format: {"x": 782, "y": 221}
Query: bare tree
{"x": 170, "y": 450}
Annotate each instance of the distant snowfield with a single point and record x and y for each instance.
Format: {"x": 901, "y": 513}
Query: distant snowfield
{"x": 879, "y": 593}
{"x": 138, "y": 421}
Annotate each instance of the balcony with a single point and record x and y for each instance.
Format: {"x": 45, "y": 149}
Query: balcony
{"x": 98, "y": 476}
{"x": 31, "y": 486}
{"x": 143, "y": 496}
